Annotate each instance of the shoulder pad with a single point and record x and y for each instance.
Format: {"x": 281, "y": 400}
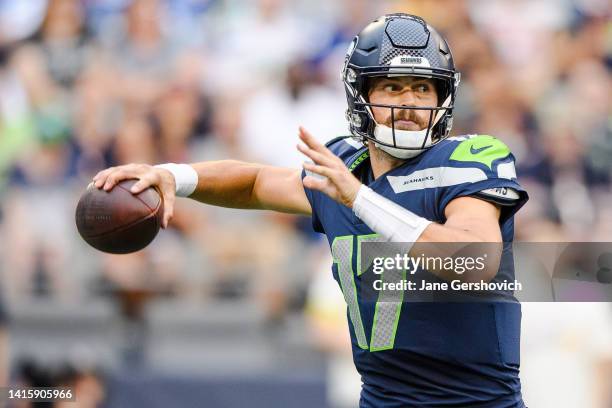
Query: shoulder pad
{"x": 335, "y": 140}
{"x": 346, "y": 148}
{"x": 347, "y": 140}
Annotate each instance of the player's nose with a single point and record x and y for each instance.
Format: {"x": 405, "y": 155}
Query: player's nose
{"x": 408, "y": 98}
{"x": 407, "y": 112}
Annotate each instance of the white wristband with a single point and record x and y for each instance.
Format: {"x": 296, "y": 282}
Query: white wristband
{"x": 185, "y": 178}
{"x": 390, "y": 220}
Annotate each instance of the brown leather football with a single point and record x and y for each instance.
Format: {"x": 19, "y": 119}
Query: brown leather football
{"x": 119, "y": 222}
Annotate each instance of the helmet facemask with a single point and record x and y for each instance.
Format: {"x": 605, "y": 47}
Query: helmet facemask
{"x": 400, "y": 143}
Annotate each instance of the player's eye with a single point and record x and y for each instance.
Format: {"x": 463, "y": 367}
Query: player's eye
{"x": 391, "y": 87}
{"x": 422, "y": 88}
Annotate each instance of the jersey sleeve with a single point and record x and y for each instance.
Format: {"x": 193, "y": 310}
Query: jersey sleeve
{"x": 482, "y": 167}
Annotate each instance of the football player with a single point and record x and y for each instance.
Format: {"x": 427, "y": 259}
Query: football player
{"x": 398, "y": 177}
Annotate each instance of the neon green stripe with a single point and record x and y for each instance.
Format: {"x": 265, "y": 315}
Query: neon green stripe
{"x": 360, "y": 240}
{"x": 483, "y": 149}
{"x": 360, "y": 159}
{"x": 354, "y": 312}
{"x": 398, "y": 311}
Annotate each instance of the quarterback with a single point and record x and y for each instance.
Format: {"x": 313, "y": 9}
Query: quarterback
{"x": 400, "y": 177}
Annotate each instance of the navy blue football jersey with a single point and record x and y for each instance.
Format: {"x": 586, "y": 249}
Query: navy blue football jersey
{"x": 429, "y": 354}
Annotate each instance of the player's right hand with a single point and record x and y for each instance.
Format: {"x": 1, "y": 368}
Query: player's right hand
{"x": 147, "y": 176}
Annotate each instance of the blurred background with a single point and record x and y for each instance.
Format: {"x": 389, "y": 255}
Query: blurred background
{"x": 231, "y": 308}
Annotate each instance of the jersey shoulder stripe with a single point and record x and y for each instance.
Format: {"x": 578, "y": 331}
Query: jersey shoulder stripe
{"x": 436, "y": 177}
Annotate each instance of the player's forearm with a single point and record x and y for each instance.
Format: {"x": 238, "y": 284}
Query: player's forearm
{"x": 442, "y": 233}
{"x": 227, "y": 183}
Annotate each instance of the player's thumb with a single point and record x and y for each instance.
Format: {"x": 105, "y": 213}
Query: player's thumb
{"x": 169, "y": 198}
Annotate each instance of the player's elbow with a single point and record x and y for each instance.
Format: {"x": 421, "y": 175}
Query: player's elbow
{"x": 486, "y": 259}
{"x": 490, "y": 271}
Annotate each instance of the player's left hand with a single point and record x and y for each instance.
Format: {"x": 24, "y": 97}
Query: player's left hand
{"x": 337, "y": 181}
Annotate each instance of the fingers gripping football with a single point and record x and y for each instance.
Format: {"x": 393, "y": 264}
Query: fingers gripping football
{"x": 337, "y": 182}
{"x": 147, "y": 176}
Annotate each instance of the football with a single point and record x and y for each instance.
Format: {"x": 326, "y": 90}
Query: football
{"x": 117, "y": 221}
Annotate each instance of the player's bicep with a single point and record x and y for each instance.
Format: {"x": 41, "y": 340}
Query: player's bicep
{"x": 281, "y": 189}
{"x": 477, "y": 216}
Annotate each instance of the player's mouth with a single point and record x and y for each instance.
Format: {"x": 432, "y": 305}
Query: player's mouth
{"x": 404, "y": 124}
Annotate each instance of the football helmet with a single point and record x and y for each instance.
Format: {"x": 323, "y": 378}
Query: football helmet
{"x": 397, "y": 45}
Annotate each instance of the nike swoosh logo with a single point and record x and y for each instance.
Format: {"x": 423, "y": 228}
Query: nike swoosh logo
{"x": 480, "y": 149}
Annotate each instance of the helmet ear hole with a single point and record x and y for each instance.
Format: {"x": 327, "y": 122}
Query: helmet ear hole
{"x": 443, "y": 127}
{"x": 367, "y": 85}
{"x": 357, "y": 120}
{"x": 443, "y": 89}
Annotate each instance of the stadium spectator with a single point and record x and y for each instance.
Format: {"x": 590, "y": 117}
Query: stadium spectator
{"x": 16, "y": 119}
{"x": 142, "y": 55}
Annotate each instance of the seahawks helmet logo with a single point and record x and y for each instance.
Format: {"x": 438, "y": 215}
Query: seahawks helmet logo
{"x": 408, "y": 60}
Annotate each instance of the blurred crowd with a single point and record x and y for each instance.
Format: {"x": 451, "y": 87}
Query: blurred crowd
{"x": 85, "y": 85}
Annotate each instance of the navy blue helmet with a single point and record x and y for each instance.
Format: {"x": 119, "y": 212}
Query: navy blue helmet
{"x": 397, "y": 45}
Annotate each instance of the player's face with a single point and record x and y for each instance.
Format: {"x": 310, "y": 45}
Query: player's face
{"x": 404, "y": 91}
